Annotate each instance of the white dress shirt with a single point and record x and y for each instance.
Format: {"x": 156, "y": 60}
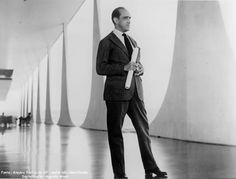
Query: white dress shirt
{"x": 119, "y": 35}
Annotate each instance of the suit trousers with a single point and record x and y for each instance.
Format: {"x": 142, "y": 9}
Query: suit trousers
{"x": 116, "y": 111}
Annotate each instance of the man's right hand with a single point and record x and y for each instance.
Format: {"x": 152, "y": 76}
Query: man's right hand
{"x": 131, "y": 66}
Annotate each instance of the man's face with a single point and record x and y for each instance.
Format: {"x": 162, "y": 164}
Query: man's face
{"x": 123, "y": 23}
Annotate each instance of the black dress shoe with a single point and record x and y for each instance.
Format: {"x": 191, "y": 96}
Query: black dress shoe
{"x": 157, "y": 172}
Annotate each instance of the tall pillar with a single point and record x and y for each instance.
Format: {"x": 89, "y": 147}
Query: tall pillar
{"x": 201, "y": 97}
{"x": 48, "y": 117}
{"x": 96, "y": 115}
{"x": 32, "y": 97}
{"x": 21, "y": 105}
{"x": 38, "y": 117}
{"x": 23, "y": 110}
{"x": 27, "y": 100}
{"x": 64, "y": 119}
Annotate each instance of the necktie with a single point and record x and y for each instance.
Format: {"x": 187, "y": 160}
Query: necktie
{"x": 128, "y": 45}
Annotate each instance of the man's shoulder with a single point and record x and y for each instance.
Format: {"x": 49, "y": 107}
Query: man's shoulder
{"x": 105, "y": 43}
{"x": 106, "y": 38}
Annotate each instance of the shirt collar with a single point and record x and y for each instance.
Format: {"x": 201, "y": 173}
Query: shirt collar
{"x": 118, "y": 33}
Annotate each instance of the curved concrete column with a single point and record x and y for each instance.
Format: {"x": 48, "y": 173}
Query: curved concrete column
{"x": 23, "y": 110}
{"x": 32, "y": 97}
{"x": 27, "y": 99}
{"x": 201, "y": 96}
{"x": 48, "y": 117}
{"x": 38, "y": 117}
{"x": 64, "y": 119}
{"x": 96, "y": 115}
{"x": 21, "y": 105}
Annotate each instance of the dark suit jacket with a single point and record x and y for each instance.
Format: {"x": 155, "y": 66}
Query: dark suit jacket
{"x": 112, "y": 56}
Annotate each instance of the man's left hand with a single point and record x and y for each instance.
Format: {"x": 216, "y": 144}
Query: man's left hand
{"x": 139, "y": 70}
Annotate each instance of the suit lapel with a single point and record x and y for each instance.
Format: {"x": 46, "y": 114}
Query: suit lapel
{"x": 117, "y": 41}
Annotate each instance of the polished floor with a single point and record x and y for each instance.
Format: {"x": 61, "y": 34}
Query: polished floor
{"x": 50, "y": 151}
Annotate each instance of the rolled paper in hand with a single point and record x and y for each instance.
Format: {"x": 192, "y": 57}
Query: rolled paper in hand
{"x": 134, "y": 58}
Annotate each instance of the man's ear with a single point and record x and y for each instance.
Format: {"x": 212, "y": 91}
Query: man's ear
{"x": 115, "y": 20}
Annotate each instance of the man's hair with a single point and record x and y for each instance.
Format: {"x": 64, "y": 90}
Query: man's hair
{"x": 116, "y": 13}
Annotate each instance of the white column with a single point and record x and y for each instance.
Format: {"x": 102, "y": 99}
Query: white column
{"x": 201, "y": 97}
{"x": 48, "y": 117}
{"x": 38, "y": 117}
{"x": 23, "y": 114}
{"x": 32, "y": 97}
{"x": 21, "y": 104}
{"x": 64, "y": 119}
{"x": 27, "y": 99}
{"x": 96, "y": 115}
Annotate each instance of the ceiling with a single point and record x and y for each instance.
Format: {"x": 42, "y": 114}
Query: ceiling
{"x": 28, "y": 28}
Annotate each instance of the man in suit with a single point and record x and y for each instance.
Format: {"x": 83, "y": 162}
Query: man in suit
{"x": 113, "y": 61}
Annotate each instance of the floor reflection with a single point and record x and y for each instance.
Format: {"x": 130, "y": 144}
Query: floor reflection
{"x": 195, "y": 160}
{"x": 64, "y": 143}
{"x": 12, "y": 165}
{"x": 4, "y": 128}
{"x": 44, "y": 151}
{"x": 48, "y": 129}
{"x": 99, "y": 151}
{"x": 38, "y": 152}
{"x": 5, "y": 166}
